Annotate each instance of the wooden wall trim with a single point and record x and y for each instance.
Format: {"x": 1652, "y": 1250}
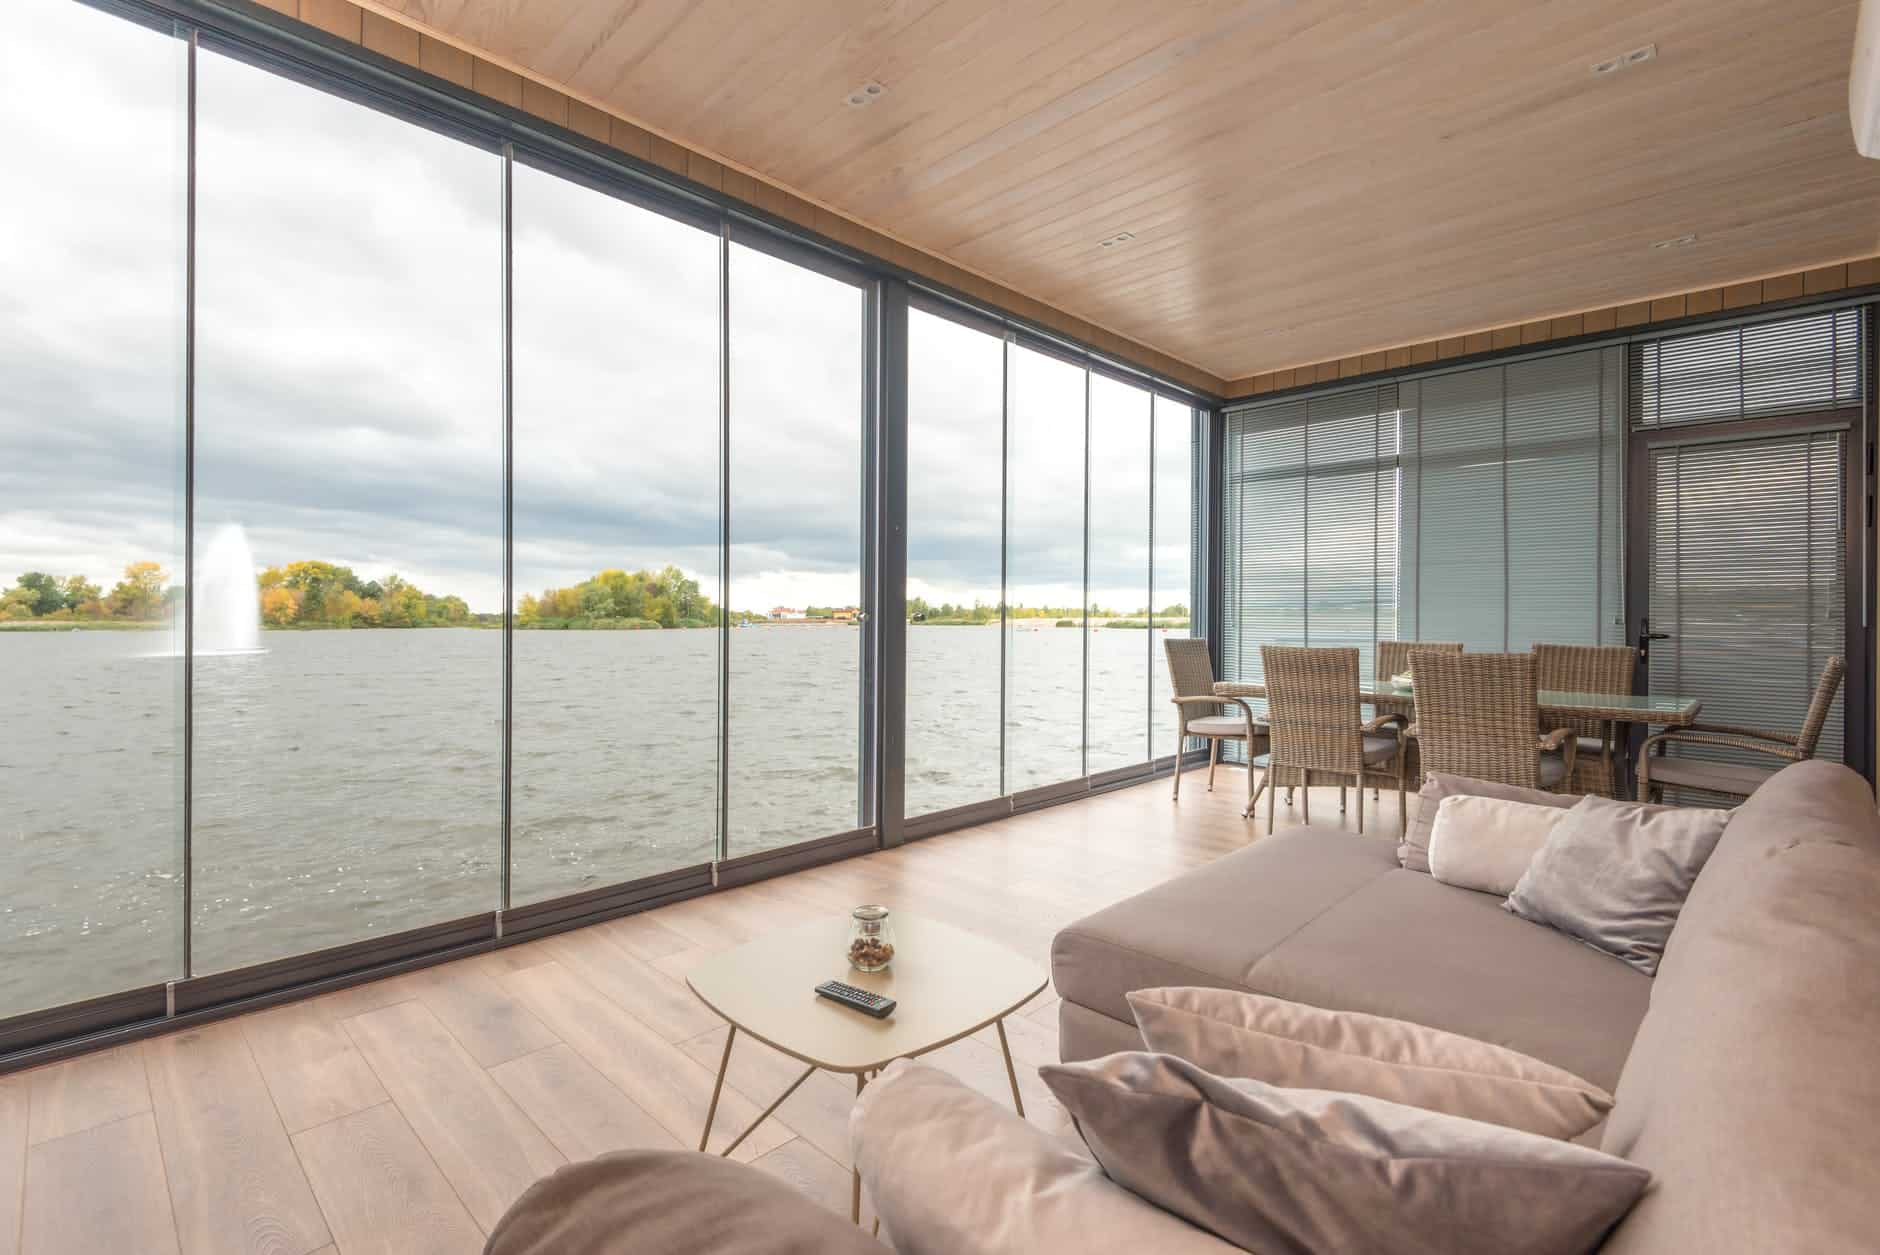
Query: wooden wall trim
{"x": 389, "y": 33}
{"x": 1770, "y": 289}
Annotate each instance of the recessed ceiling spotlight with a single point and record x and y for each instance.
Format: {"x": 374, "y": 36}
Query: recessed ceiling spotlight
{"x": 1120, "y": 238}
{"x": 867, "y": 94}
{"x": 1676, "y": 241}
{"x": 1625, "y": 60}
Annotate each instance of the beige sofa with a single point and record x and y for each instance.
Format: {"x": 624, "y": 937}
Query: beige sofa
{"x": 1747, "y": 1073}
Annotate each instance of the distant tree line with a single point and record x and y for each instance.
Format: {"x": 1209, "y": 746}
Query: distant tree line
{"x": 919, "y": 610}
{"x": 323, "y": 594}
{"x": 621, "y": 599}
{"x": 141, "y": 596}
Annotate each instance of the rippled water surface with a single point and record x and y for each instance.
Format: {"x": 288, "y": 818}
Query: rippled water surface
{"x": 348, "y": 784}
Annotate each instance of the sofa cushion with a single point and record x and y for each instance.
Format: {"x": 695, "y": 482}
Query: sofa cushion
{"x": 1210, "y": 926}
{"x": 1751, "y": 1093}
{"x": 1295, "y": 1046}
{"x": 1026, "y": 1193}
{"x": 1411, "y": 948}
{"x": 670, "y": 1200}
{"x": 1414, "y": 850}
{"x": 1272, "y": 1169}
{"x": 1328, "y": 918}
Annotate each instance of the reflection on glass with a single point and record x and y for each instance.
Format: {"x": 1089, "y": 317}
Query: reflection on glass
{"x": 91, "y": 266}
{"x": 1172, "y": 578}
{"x": 348, "y": 497}
{"x": 797, "y": 376}
{"x": 615, "y": 750}
{"x": 1121, "y": 439}
{"x": 955, "y": 423}
{"x": 1044, "y": 572}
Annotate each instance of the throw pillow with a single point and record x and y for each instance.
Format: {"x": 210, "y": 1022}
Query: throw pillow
{"x": 1486, "y": 843}
{"x": 1414, "y": 850}
{"x": 1295, "y": 1046}
{"x": 1272, "y": 1169}
{"x": 1615, "y": 875}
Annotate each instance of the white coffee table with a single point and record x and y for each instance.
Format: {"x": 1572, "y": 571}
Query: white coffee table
{"x": 947, "y": 984}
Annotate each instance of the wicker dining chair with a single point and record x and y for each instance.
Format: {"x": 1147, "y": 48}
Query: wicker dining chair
{"x": 1312, "y": 711}
{"x": 1588, "y": 669}
{"x": 1737, "y": 780}
{"x": 1198, "y": 712}
{"x": 1477, "y": 715}
{"x": 1393, "y": 658}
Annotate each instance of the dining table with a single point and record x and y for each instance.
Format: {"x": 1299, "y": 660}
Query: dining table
{"x": 1618, "y": 711}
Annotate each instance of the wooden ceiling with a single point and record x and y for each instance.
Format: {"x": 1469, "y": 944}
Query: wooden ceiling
{"x": 1304, "y": 180}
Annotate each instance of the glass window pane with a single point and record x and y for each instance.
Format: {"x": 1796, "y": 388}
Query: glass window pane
{"x": 1172, "y": 578}
{"x": 955, "y": 434}
{"x": 798, "y": 339}
{"x": 1121, "y": 440}
{"x": 615, "y": 767}
{"x": 349, "y": 497}
{"x": 91, "y": 442}
{"x": 1044, "y": 572}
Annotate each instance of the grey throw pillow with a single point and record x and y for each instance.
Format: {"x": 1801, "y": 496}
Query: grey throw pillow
{"x": 1414, "y": 850}
{"x": 1272, "y": 1169}
{"x": 1615, "y": 875}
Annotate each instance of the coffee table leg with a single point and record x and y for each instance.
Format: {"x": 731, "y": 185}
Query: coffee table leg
{"x": 724, "y": 1061}
{"x": 765, "y": 1113}
{"x": 855, "y": 1192}
{"x": 1011, "y": 1073}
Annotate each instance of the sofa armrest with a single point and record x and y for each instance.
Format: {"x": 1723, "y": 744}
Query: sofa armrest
{"x": 953, "y": 1173}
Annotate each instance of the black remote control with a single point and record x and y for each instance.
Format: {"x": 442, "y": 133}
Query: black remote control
{"x": 858, "y": 999}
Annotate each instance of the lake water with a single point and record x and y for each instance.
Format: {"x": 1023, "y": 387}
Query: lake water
{"x": 348, "y": 784}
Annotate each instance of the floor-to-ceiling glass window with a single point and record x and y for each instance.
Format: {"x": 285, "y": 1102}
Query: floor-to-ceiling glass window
{"x": 348, "y": 572}
{"x": 1121, "y": 444}
{"x": 1044, "y": 661}
{"x": 798, "y": 374}
{"x": 615, "y": 751}
{"x": 91, "y": 441}
{"x": 955, "y": 454}
{"x": 1171, "y": 584}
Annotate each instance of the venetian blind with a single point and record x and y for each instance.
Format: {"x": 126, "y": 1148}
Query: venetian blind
{"x": 1512, "y": 513}
{"x": 1782, "y": 366}
{"x": 1309, "y": 521}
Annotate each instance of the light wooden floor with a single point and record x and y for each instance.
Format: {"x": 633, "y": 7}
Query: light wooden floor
{"x": 404, "y": 1116}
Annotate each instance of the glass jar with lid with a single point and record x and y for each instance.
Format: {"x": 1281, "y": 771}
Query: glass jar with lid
{"x": 871, "y": 938}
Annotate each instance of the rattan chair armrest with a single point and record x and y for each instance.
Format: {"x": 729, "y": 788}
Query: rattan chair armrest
{"x": 1379, "y": 722}
{"x": 1557, "y": 738}
{"x": 1731, "y": 729}
{"x": 1201, "y": 700}
{"x": 1723, "y": 740}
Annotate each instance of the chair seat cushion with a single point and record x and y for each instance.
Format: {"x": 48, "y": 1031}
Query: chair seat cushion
{"x": 1223, "y": 725}
{"x": 1379, "y": 748}
{"x": 1553, "y": 770}
{"x": 1736, "y": 779}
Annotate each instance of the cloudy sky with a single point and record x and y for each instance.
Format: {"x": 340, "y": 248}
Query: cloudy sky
{"x": 348, "y": 369}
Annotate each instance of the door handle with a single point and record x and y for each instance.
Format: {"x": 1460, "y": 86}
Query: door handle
{"x": 1645, "y": 638}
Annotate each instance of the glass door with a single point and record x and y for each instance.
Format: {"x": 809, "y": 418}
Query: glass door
{"x": 798, "y": 371}
{"x": 1740, "y": 570}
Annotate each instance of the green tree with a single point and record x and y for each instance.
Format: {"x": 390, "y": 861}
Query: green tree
{"x": 47, "y": 592}
{"x": 139, "y": 595}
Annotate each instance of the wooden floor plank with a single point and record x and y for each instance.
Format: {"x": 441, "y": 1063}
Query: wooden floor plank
{"x": 581, "y": 1111}
{"x": 15, "y": 1115}
{"x": 380, "y": 1191}
{"x": 667, "y": 1083}
{"x": 655, "y": 999}
{"x": 98, "y": 1190}
{"x": 82, "y": 1093}
{"x": 643, "y": 936}
{"x": 486, "y": 1147}
{"x": 311, "y": 1067}
{"x": 818, "y": 1176}
{"x": 479, "y": 1013}
{"x": 235, "y": 1183}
